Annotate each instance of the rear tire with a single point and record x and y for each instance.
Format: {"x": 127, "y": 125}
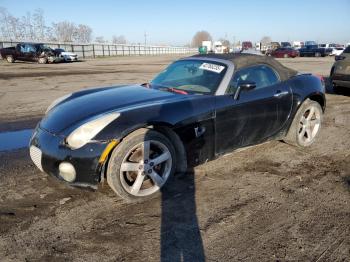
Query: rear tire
{"x": 10, "y": 59}
{"x": 141, "y": 165}
{"x": 306, "y": 124}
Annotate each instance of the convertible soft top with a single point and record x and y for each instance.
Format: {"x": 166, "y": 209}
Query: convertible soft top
{"x": 244, "y": 60}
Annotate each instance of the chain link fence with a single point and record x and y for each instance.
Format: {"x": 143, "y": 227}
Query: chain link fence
{"x": 102, "y": 50}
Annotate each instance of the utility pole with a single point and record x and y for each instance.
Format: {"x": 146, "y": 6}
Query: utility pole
{"x": 145, "y": 35}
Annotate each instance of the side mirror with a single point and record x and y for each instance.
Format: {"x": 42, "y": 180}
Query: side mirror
{"x": 244, "y": 86}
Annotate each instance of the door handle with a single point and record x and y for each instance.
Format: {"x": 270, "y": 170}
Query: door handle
{"x": 280, "y": 93}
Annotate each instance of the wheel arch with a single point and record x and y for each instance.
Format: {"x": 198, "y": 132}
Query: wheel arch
{"x": 181, "y": 156}
{"x": 165, "y": 129}
{"x": 319, "y": 99}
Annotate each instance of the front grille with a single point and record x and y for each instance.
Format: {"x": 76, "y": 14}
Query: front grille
{"x": 35, "y": 155}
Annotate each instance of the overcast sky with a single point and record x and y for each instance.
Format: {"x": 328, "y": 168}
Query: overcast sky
{"x": 175, "y": 22}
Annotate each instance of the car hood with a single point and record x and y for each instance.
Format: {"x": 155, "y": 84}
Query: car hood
{"x": 82, "y": 106}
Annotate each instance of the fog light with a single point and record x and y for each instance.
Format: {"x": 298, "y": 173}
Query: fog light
{"x": 67, "y": 171}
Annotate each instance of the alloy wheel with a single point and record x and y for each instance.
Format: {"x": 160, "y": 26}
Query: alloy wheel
{"x": 309, "y": 125}
{"x": 145, "y": 168}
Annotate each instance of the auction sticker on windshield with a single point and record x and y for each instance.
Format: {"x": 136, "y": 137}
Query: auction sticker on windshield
{"x": 212, "y": 67}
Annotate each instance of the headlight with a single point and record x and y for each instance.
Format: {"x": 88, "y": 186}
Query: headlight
{"x": 83, "y": 134}
{"x": 57, "y": 101}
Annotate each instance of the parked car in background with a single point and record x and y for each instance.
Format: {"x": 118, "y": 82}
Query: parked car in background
{"x": 286, "y": 44}
{"x": 275, "y": 45}
{"x": 285, "y": 52}
{"x": 66, "y": 56}
{"x": 247, "y": 45}
{"x": 252, "y": 51}
{"x": 136, "y": 137}
{"x": 271, "y": 47}
{"x": 340, "y": 72}
{"x": 328, "y": 47}
{"x": 311, "y": 48}
{"x": 33, "y": 52}
{"x": 297, "y": 44}
{"x": 337, "y": 51}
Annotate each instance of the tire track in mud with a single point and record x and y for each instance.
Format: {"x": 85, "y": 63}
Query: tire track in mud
{"x": 227, "y": 212}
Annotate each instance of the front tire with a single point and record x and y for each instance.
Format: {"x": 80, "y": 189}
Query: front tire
{"x": 141, "y": 165}
{"x": 306, "y": 124}
{"x": 10, "y": 59}
{"x": 42, "y": 60}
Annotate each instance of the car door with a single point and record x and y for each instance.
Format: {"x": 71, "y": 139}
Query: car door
{"x": 27, "y": 52}
{"x": 278, "y": 52}
{"x": 256, "y": 114}
{"x": 31, "y": 52}
{"x": 20, "y": 51}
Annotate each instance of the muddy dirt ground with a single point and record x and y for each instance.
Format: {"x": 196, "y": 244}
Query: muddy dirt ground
{"x": 272, "y": 202}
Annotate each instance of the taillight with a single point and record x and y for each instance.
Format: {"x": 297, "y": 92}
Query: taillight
{"x": 339, "y": 57}
{"x": 319, "y": 76}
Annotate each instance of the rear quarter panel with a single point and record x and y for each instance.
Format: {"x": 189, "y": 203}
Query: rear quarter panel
{"x": 8, "y": 51}
{"x": 305, "y": 86}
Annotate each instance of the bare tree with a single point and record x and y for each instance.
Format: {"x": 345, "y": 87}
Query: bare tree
{"x": 27, "y": 27}
{"x": 83, "y": 33}
{"x": 9, "y": 25}
{"x": 33, "y": 27}
{"x": 118, "y": 39}
{"x": 14, "y": 27}
{"x": 199, "y": 37}
{"x": 64, "y": 31}
{"x": 225, "y": 42}
{"x": 265, "y": 40}
{"x": 39, "y": 25}
{"x": 4, "y": 23}
{"x": 100, "y": 39}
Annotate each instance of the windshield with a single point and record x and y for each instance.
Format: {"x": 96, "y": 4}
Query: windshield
{"x": 43, "y": 47}
{"x": 191, "y": 77}
{"x": 311, "y": 43}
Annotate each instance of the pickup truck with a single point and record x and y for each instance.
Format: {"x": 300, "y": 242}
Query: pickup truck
{"x": 312, "y": 49}
{"x": 29, "y": 52}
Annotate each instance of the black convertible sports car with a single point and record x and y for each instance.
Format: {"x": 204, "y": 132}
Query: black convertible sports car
{"x": 197, "y": 109}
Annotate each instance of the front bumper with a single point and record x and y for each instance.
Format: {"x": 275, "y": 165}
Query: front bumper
{"x": 71, "y": 58}
{"x": 48, "y": 151}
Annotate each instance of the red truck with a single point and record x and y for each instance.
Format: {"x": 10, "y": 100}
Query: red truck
{"x": 247, "y": 45}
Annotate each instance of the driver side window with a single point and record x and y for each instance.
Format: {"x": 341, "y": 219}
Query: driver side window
{"x": 262, "y": 75}
{"x": 28, "y": 48}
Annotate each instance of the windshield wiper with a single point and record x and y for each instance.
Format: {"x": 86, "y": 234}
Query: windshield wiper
{"x": 175, "y": 90}
{"x": 169, "y": 89}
